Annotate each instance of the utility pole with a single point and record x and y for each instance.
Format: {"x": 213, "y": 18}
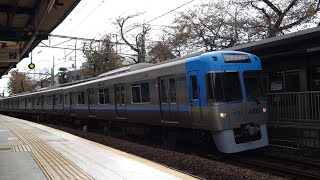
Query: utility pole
{"x": 75, "y": 60}
{"x": 141, "y": 45}
{"x": 52, "y": 72}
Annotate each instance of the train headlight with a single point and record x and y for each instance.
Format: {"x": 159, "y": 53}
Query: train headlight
{"x": 223, "y": 114}
{"x": 264, "y": 110}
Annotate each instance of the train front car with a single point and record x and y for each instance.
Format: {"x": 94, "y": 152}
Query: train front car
{"x": 226, "y": 95}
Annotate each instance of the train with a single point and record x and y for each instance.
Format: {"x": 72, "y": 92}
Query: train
{"x": 219, "y": 92}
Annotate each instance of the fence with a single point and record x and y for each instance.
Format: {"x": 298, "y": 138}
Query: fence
{"x": 300, "y": 107}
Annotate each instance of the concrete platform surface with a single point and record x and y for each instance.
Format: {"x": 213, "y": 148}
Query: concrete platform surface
{"x": 33, "y": 151}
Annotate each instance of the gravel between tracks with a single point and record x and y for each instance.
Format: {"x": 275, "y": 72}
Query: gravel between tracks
{"x": 201, "y": 167}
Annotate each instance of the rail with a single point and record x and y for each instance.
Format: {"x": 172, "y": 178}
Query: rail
{"x": 299, "y": 107}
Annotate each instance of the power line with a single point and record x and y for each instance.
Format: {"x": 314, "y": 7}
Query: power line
{"x": 163, "y": 14}
{"x": 88, "y": 15}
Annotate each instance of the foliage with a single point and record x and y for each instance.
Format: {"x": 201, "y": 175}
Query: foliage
{"x": 101, "y": 57}
{"x": 19, "y": 82}
{"x": 160, "y": 51}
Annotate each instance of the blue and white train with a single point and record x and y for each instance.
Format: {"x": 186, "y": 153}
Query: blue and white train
{"x": 215, "y": 92}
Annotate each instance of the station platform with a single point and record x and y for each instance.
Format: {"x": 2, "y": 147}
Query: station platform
{"x": 33, "y": 151}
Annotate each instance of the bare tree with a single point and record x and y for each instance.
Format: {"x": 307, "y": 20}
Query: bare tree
{"x": 160, "y": 51}
{"x": 139, "y": 45}
{"x": 19, "y": 82}
{"x": 211, "y": 26}
{"x": 101, "y": 57}
{"x": 279, "y": 16}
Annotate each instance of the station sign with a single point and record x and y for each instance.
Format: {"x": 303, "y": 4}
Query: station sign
{"x": 9, "y": 55}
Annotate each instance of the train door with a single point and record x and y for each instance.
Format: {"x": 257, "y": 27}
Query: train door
{"x": 91, "y": 103}
{"x": 168, "y": 99}
{"x": 194, "y": 97}
{"x": 120, "y": 101}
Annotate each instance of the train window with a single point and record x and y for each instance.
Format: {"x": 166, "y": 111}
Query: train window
{"x": 71, "y": 98}
{"x": 66, "y": 99}
{"x": 253, "y": 85}
{"x": 80, "y": 96}
{"x": 164, "y": 95}
{"x": 42, "y": 100}
{"x": 49, "y": 100}
{"x": 224, "y": 87}
{"x": 194, "y": 85}
{"x": 104, "y": 96}
{"x": 145, "y": 93}
{"x": 117, "y": 90}
{"x": 140, "y": 93}
{"x": 122, "y": 94}
{"x": 172, "y": 85}
{"x": 38, "y": 101}
{"x": 135, "y": 92}
{"x": 29, "y": 102}
{"x": 60, "y": 99}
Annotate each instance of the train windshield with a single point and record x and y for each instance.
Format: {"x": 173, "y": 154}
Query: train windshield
{"x": 223, "y": 87}
{"x": 253, "y": 85}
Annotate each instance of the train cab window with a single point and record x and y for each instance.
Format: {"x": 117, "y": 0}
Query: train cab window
{"x": 173, "y": 95}
{"x": 80, "y": 97}
{"x": 164, "y": 93}
{"x": 223, "y": 87}
{"x": 103, "y": 95}
{"x": 194, "y": 86}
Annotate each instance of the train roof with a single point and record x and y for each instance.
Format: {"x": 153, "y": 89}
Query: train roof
{"x": 124, "y": 71}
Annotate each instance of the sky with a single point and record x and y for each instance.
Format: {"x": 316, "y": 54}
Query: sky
{"x": 92, "y": 19}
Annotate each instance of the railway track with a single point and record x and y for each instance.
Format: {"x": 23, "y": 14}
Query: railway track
{"x": 280, "y": 166}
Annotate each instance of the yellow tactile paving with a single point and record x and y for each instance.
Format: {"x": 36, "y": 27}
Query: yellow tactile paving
{"x": 54, "y": 165}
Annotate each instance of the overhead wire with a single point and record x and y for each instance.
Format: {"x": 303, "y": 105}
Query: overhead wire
{"x": 163, "y": 14}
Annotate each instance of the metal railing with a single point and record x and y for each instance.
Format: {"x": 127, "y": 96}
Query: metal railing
{"x": 301, "y": 107}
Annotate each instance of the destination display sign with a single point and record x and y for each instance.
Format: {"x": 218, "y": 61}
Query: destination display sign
{"x": 236, "y": 58}
{"x": 9, "y": 55}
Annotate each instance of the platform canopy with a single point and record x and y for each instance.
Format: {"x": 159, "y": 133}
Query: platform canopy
{"x": 24, "y": 24}
{"x": 300, "y": 42}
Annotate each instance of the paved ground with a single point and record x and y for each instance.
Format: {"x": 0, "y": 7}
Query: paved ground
{"x": 33, "y": 151}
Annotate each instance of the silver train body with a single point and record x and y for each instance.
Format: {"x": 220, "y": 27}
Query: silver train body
{"x": 207, "y": 91}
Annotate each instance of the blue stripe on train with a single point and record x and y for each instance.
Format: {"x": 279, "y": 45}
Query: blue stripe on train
{"x": 127, "y": 108}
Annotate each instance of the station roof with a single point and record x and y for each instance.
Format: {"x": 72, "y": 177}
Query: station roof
{"x": 299, "y": 42}
{"x": 25, "y": 23}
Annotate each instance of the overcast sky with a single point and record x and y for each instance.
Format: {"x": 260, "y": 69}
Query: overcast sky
{"x": 92, "y": 19}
